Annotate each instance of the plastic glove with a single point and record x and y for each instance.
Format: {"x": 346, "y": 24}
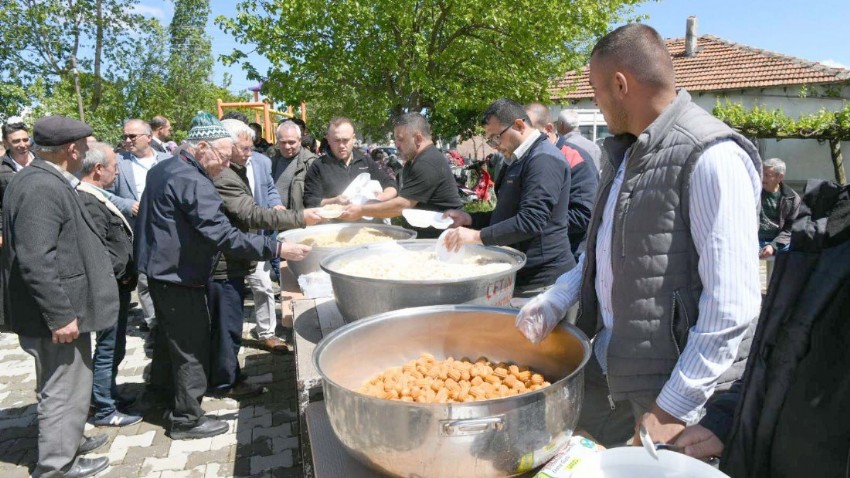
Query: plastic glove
{"x": 541, "y": 314}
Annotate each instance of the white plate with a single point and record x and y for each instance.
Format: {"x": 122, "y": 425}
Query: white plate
{"x": 422, "y": 218}
{"x": 445, "y": 255}
{"x": 329, "y": 213}
{"x": 635, "y": 462}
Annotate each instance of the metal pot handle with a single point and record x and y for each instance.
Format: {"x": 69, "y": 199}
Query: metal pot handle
{"x": 471, "y": 426}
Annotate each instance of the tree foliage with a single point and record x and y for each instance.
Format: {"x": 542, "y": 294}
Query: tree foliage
{"x": 449, "y": 58}
{"x": 761, "y": 122}
{"x": 128, "y": 66}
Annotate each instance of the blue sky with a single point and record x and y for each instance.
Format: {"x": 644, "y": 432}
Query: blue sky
{"x": 814, "y": 30}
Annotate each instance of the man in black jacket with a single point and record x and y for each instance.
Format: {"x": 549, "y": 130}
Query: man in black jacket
{"x": 329, "y": 175}
{"x": 180, "y": 231}
{"x": 788, "y": 415}
{"x": 584, "y": 177}
{"x": 96, "y": 176}
{"x": 425, "y": 182}
{"x": 532, "y": 211}
{"x": 58, "y": 287}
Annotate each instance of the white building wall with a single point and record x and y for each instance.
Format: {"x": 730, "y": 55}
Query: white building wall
{"x": 806, "y": 159}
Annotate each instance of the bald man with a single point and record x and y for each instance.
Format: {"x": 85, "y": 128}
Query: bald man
{"x": 669, "y": 282}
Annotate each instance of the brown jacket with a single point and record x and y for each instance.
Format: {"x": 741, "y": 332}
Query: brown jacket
{"x": 239, "y": 206}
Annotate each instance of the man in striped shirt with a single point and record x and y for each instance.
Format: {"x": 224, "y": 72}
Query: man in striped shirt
{"x": 669, "y": 282}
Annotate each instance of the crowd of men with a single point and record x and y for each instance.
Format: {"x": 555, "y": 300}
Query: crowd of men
{"x": 656, "y": 240}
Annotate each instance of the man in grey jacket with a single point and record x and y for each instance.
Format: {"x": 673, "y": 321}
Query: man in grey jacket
{"x": 290, "y": 165}
{"x": 668, "y": 284}
{"x": 58, "y": 286}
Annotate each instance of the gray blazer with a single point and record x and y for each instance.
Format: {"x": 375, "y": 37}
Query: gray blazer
{"x": 55, "y": 265}
{"x": 124, "y": 193}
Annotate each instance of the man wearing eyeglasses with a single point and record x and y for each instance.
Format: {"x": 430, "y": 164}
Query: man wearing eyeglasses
{"x": 137, "y": 157}
{"x": 533, "y": 192}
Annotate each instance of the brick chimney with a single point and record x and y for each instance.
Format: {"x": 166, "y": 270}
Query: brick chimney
{"x": 691, "y": 37}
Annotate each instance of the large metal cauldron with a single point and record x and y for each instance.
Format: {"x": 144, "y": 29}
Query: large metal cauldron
{"x": 500, "y": 437}
{"x": 314, "y": 258}
{"x": 359, "y": 297}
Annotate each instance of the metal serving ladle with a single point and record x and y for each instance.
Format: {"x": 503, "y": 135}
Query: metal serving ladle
{"x": 652, "y": 448}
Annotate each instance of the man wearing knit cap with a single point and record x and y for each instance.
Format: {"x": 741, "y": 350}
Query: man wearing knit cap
{"x": 181, "y": 230}
{"x": 58, "y": 286}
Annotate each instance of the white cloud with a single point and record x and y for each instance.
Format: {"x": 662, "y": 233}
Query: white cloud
{"x": 149, "y": 11}
{"x": 834, "y": 64}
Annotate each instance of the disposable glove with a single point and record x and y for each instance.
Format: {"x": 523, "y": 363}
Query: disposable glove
{"x": 541, "y": 314}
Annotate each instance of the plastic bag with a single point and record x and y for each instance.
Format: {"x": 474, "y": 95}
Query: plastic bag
{"x": 316, "y": 284}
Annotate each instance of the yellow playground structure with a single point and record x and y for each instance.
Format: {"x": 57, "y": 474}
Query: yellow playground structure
{"x": 263, "y": 113}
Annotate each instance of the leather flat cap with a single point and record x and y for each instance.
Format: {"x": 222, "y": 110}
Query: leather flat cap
{"x": 59, "y": 130}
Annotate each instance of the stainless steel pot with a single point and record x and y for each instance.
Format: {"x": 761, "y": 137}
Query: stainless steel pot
{"x": 314, "y": 258}
{"x": 500, "y": 437}
{"x": 359, "y": 297}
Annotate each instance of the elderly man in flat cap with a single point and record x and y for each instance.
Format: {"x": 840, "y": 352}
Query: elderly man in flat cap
{"x": 58, "y": 287}
{"x": 180, "y": 232}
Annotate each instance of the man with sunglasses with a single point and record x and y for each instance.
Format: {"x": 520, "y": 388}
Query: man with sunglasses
{"x": 533, "y": 196}
{"x": 136, "y": 158}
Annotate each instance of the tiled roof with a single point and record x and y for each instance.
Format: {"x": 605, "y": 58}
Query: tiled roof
{"x": 722, "y": 65}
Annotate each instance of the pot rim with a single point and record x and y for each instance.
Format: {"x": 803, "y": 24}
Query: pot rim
{"x": 518, "y": 258}
{"x": 411, "y": 312}
{"x": 341, "y": 225}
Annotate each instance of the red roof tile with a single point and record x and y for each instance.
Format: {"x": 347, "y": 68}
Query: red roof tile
{"x": 721, "y": 65}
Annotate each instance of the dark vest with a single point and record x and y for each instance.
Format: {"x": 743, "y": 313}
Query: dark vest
{"x": 656, "y": 287}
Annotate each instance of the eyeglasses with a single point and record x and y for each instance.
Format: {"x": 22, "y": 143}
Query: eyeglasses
{"x": 132, "y": 137}
{"x": 496, "y": 139}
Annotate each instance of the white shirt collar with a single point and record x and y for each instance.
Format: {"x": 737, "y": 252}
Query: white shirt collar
{"x": 523, "y": 148}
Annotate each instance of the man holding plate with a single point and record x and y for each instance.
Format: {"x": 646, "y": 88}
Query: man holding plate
{"x": 425, "y": 182}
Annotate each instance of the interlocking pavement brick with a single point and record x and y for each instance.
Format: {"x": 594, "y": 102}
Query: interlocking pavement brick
{"x": 283, "y": 430}
{"x": 222, "y": 441}
{"x": 260, "y": 464}
{"x": 139, "y": 454}
{"x": 121, "y": 471}
{"x": 222, "y": 455}
{"x": 280, "y": 444}
{"x": 16, "y": 472}
{"x": 175, "y": 463}
{"x": 188, "y": 446}
{"x": 124, "y": 441}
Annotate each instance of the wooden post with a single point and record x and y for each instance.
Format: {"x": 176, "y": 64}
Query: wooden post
{"x": 218, "y": 109}
{"x": 268, "y": 126}
{"x": 837, "y": 160}
{"x": 304, "y": 111}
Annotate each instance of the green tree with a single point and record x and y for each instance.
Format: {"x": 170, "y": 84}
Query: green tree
{"x": 378, "y": 58}
{"x": 190, "y": 61}
{"x": 58, "y": 40}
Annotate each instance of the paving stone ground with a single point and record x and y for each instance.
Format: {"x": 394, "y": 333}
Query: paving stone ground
{"x": 262, "y": 440}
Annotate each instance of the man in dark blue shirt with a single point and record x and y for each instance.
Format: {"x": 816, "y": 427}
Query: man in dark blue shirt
{"x": 533, "y": 196}
{"x": 180, "y": 231}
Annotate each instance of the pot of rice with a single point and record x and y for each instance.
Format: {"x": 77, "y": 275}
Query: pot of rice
{"x": 377, "y": 278}
{"x": 326, "y": 239}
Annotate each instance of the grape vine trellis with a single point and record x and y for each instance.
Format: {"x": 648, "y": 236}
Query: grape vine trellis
{"x": 830, "y": 126}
